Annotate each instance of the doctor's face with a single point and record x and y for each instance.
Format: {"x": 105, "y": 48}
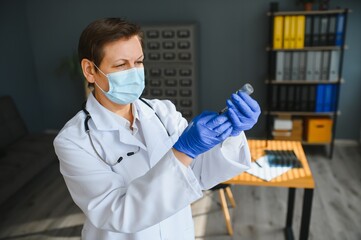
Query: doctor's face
{"x": 119, "y": 55}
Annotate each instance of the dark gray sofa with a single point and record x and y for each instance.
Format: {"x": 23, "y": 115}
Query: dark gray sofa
{"x": 22, "y": 154}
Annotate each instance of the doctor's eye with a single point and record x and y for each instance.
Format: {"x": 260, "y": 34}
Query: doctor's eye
{"x": 139, "y": 62}
{"x": 120, "y": 65}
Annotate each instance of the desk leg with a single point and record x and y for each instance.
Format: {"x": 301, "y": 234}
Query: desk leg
{"x": 306, "y": 214}
{"x": 290, "y": 208}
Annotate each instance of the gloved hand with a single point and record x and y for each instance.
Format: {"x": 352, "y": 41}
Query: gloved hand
{"x": 204, "y": 132}
{"x": 243, "y": 112}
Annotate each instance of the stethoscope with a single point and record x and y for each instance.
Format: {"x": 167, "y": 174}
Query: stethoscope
{"x": 87, "y": 130}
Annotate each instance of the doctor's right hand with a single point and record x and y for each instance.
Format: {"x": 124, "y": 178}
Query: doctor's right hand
{"x": 243, "y": 112}
{"x": 204, "y": 132}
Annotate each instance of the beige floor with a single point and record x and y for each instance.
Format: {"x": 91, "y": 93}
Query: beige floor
{"x": 44, "y": 210}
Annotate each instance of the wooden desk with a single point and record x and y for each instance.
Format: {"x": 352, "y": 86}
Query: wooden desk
{"x": 292, "y": 179}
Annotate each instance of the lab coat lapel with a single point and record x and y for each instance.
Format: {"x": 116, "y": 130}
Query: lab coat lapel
{"x": 127, "y": 138}
{"x": 105, "y": 120}
{"x": 157, "y": 140}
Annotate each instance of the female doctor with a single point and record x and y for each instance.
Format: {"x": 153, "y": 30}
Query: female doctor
{"x": 132, "y": 165}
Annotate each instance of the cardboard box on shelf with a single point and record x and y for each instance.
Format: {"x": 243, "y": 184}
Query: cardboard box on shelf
{"x": 294, "y": 134}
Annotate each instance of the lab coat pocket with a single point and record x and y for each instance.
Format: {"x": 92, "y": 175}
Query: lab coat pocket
{"x": 120, "y": 153}
{"x": 120, "y": 159}
{"x": 133, "y": 166}
{"x": 122, "y": 172}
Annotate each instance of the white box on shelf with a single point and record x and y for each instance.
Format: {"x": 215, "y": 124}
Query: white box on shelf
{"x": 282, "y": 124}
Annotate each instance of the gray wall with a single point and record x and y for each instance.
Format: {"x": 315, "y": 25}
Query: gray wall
{"x": 232, "y": 39}
{"x": 17, "y": 69}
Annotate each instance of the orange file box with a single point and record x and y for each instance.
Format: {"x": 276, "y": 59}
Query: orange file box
{"x": 319, "y": 130}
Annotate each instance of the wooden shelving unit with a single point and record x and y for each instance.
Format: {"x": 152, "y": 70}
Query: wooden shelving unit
{"x": 271, "y": 81}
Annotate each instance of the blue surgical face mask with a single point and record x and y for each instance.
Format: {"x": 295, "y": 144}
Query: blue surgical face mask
{"x": 124, "y": 86}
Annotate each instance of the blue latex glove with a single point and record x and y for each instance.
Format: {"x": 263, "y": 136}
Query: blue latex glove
{"x": 243, "y": 112}
{"x": 203, "y": 133}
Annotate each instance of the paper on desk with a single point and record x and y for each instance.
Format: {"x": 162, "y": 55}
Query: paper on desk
{"x": 266, "y": 172}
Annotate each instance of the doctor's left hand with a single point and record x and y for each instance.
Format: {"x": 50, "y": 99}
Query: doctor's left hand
{"x": 203, "y": 133}
{"x": 243, "y": 112}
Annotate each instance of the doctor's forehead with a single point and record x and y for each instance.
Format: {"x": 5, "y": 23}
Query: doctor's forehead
{"x": 124, "y": 48}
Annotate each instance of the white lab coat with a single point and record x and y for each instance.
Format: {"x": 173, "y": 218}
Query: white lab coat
{"x": 147, "y": 195}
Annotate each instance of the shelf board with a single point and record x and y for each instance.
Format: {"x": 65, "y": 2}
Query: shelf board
{"x": 333, "y": 11}
{"x": 302, "y": 113}
{"x": 320, "y": 143}
{"x": 302, "y": 82}
{"x": 307, "y": 143}
{"x": 316, "y": 48}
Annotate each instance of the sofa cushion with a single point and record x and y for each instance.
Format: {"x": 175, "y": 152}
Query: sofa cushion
{"x": 18, "y": 170}
{"x": 23, "y": 160}
{"x": 12, "y": 127}
{"x": 22, "y": 155}
{"x": 2, "y": 153}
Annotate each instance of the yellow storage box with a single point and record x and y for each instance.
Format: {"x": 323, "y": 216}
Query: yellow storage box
{"x": 319, "y": 130}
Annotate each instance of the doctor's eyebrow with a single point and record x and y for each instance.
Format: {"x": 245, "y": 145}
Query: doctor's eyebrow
{"x": 125, "y": 60}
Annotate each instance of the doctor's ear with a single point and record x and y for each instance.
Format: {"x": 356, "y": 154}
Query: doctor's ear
{"x": 88, "y": 70}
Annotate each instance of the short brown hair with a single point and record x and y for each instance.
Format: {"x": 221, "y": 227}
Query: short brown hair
{"x": 103, "y": 31}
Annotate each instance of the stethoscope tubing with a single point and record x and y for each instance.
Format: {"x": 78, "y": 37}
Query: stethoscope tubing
{"x": 87, "y": 130}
